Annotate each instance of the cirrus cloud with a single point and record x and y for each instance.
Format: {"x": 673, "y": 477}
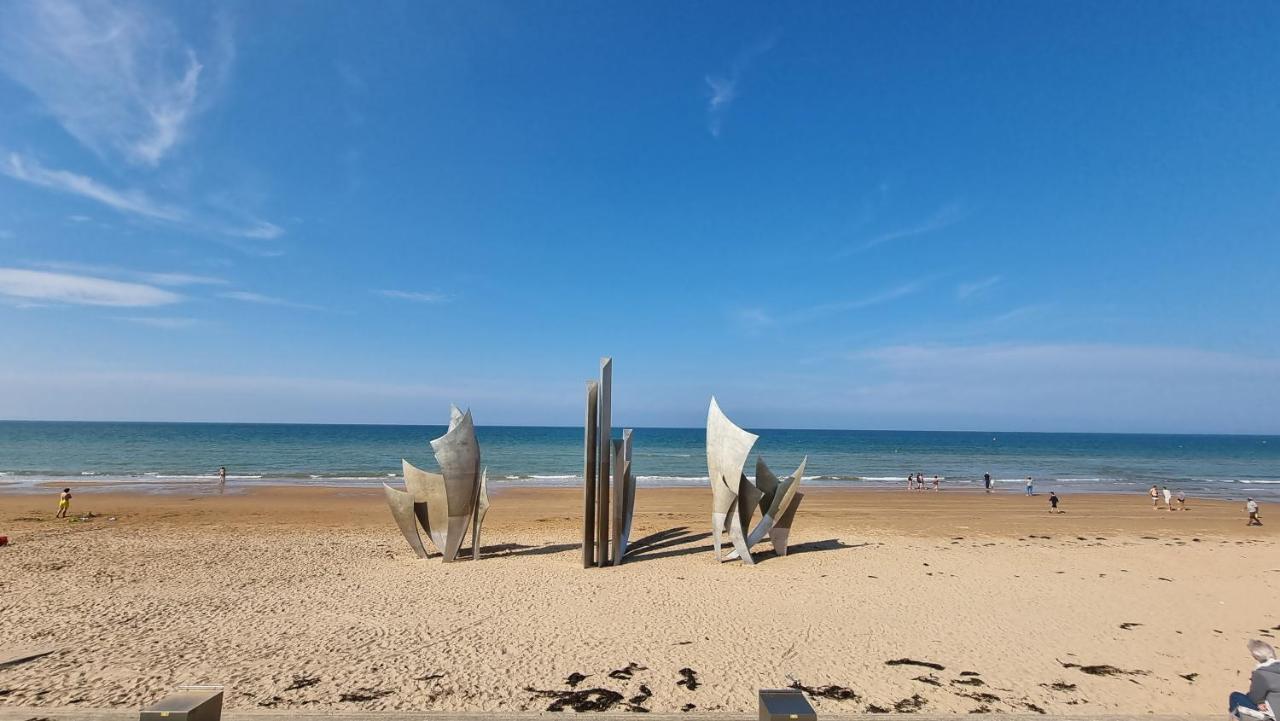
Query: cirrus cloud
{"x": 41, "y": 286}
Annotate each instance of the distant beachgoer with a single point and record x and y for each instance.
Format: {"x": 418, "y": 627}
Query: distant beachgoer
{"x": 1252, "y": 507}
{"x": 1168, "y": 498}
{"x": 1182, "y": 500}
{"x": 986, "y": 481}
{"x": 1263, "y": 697}
{"x": 64, "y": 503}
{"x": 911, "y": 481}
{"x": 1155, "y": 497}
{"x": 1030, "y": 487}
{"x": 936, "y": 483}
{"x": 1053, "y": 501}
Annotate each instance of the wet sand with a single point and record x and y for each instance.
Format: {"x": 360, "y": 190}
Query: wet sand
{"x": 309, "y": 598}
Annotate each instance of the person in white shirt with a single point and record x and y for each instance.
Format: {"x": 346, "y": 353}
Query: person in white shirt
{"x": 1168, "y": 498}
{"x": 1252, "y": 507}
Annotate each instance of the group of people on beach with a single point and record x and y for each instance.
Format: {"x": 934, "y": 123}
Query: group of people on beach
{"x": 917, "y": 482}
{"x": 1158, "y": 493}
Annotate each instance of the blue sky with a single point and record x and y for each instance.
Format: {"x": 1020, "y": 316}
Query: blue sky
{"x": 998, "y": 216}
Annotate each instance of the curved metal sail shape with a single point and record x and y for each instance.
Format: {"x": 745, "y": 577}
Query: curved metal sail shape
{"x": 735, "y": 498}
{"x": 444, "y": 503}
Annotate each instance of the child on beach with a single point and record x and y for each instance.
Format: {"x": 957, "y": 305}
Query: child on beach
{"x": 1252, "y": 507}
{"x": 64, "y": 503}
{"x": 1182, "y": 500}
{"x": 1053, "y": 501}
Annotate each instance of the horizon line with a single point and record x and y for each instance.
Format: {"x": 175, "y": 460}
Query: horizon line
{"x": 664, "y": 428}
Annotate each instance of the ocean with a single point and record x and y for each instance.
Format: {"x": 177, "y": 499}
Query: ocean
{"x": 184, "y": 456}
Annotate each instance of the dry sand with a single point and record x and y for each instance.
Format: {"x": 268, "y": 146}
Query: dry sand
{"x": 310, "y": 598}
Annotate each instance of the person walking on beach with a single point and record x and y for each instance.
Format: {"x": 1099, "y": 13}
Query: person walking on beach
{"x": 1263, "y": 697}
{"x": 911, "y": 481}
{"x": 64, "y": 503}
{"x": 1030, "y": 486}
{"x": 1168, "y": 499}
{"x": 1252, "y": 507}
{"x": 986, "y": 481}
{"x": 1155, "y": 497}
{"x": 936, "y": 483}
{"x": 1053, "y": 502}
{"x": 1182, "y": 500}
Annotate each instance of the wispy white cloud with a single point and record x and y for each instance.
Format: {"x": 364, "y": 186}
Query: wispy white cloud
{"x": 723, "y": 89}
{"x": 945, "y": 217}
{"x": 414, "y": 295}
{"x": 162, "y": 322}
{"x": 40, "y": 286}
{"x": 256, "y": 230}
{"x": 133, "y": 201}
{"x": 966, "y": 290}
{"x": 129, "y": 201}
{"x": 171, "y": 279}
{"x": 756, "y": 319}
{"x": 118, "y": 77}
{"x": 246, "y": 296}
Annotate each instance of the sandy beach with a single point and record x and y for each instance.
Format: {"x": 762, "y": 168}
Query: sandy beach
{"x": 306, "y": 597}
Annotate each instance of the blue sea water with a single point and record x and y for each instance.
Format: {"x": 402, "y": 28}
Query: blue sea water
{"x": 166, "y": 456}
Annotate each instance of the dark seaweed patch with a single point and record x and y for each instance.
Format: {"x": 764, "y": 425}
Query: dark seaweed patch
{"x": 1060, "y": 686}
{"x": 913, "y": 662}
{"x": 910, "y": 705}
{"x": 574, "y": 679}
{"x": 970, "y": 681}
{"x": 930, "y": 679}
{"x": 364, "y": 694}
{"x": 1032, "y": 707}
{"x": 688, "y": 707}
{"x": 872, "y": 708}
{"x": 591, "y": 699}
{"x": 624, "y": 674}
{"x": 970, "y": 673}
{"x": 1103, "y": 670}
{"x": 833, "y": 692}
{"x": 1129, "y": 625}
{"x": 979, "y": 696}
{"x": 688, "y": 678}
{"x": 1189, "y": 676}
{"x": 302, "y": 682}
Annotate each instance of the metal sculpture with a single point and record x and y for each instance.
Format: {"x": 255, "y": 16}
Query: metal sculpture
{"x": 444, "y": 503}
{"x": 735, "y": 498}
{"x": 608, "y": 485}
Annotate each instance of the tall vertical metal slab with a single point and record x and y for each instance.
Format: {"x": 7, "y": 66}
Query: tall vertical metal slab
{"x": 482, "y": 507}
{"x": 628, "y": 496}
{"x": 590, "y": 431}
{"x": 603, "y": 454}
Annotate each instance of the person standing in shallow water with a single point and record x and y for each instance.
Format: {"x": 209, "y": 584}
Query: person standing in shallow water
{"x": 986, "y": 481}
{"x": 64, "y": 503}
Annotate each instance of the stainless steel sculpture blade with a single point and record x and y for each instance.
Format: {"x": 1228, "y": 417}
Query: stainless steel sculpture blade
{"x": 766, "y": 482}
{"x": 781, "y": 502}
{"x": 629, "y": 495}
{"x": 401, "y": 503}
{"x": 603, "y": 457}
{"x": 727, "y": 449}
{"x": 782, "y": 529}
{"x": 459, "y": 457}
{"x": 455, "y": 416}
{"x": 482, "y": 507}
{"x": 428, "y": 490}
{"x": 622, "y": 499}
{"x": 589, "y": 449}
